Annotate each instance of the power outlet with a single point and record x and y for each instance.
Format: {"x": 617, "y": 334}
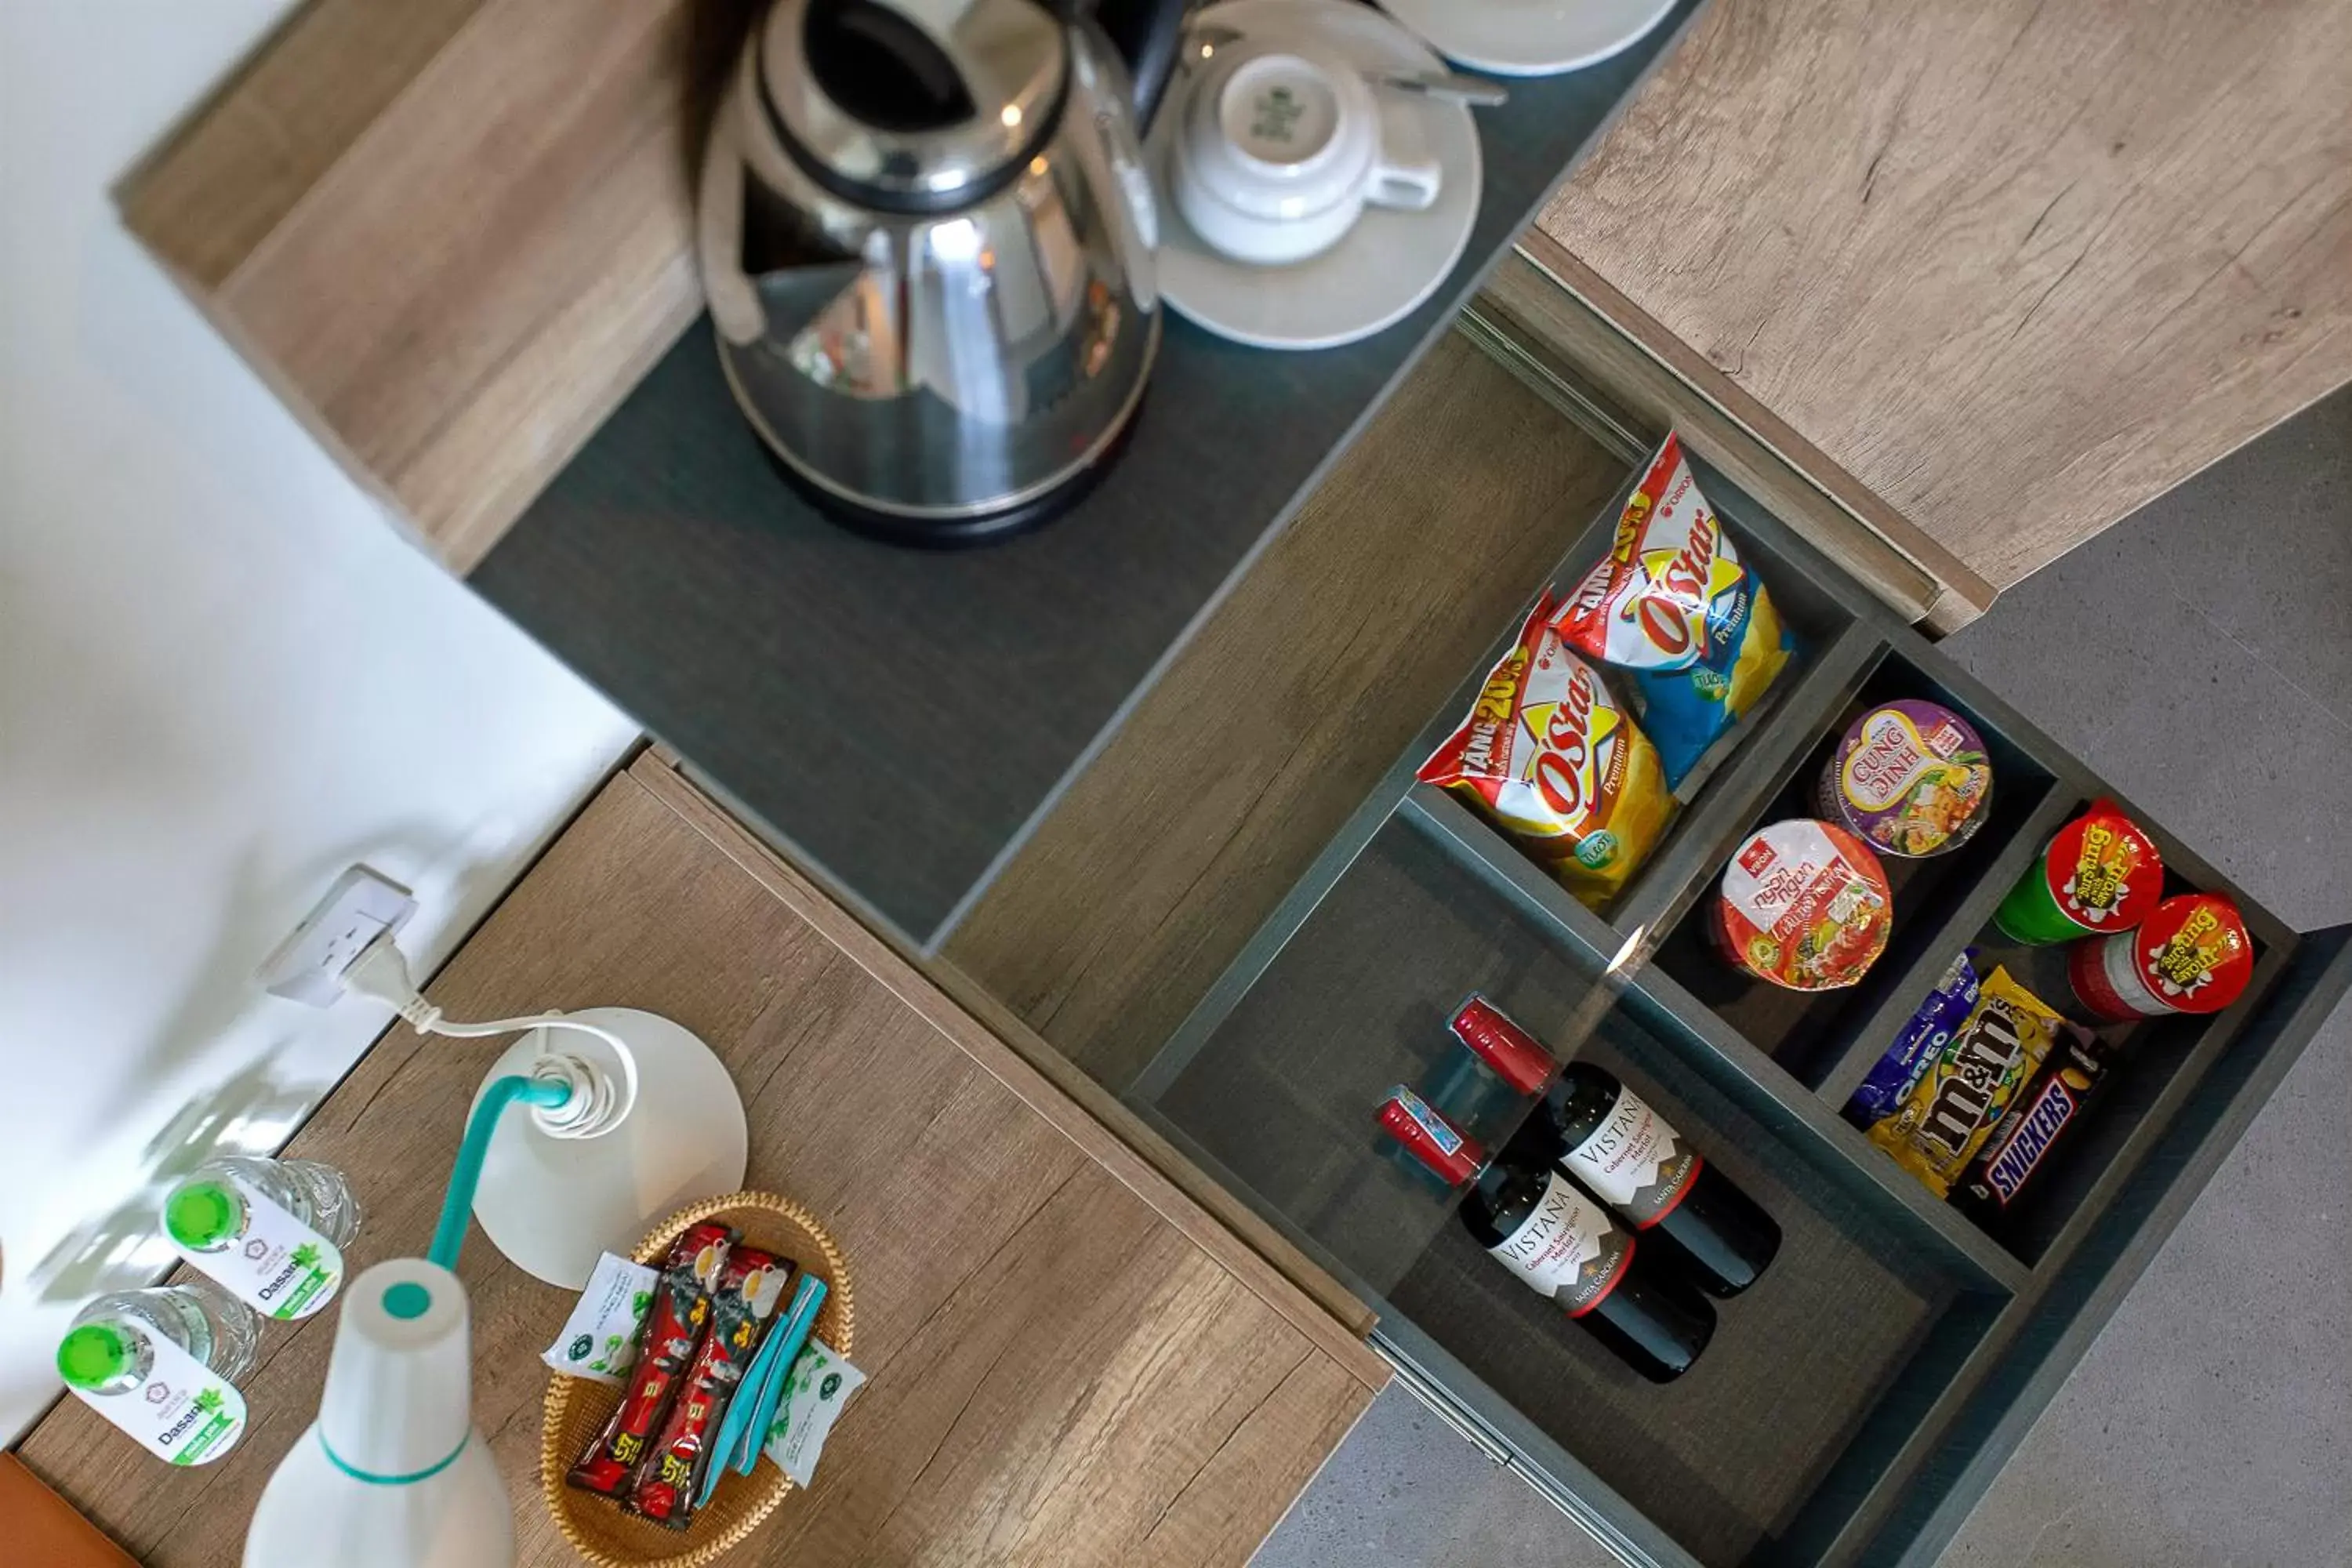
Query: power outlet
{"x": 308, "y": 965}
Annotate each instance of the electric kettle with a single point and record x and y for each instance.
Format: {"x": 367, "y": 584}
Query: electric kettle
{"x": 926, "y": 234}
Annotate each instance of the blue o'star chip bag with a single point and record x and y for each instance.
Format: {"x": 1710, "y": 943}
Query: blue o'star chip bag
{"x": 1674, "y": 605}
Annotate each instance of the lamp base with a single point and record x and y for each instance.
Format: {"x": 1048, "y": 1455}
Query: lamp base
{"x": 313, "y": 1512}
{"x": 553, "y": 1205}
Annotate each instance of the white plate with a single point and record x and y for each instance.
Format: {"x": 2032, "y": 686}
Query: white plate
{"x": 1529, "y": 37}
{"x": 1389, "y": 263}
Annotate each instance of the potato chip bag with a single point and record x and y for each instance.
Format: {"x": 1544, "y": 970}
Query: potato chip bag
{"x": 1674, "y": 605}
{"x": 1548, "y": 753}
{"x": 1955, "y": 1105}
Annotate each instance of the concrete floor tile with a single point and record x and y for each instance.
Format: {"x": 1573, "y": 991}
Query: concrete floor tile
{"x": 2262, "y": 544}
{"x": 1405, "y": 1490}
{"x": 2210, "y": 738}
{"x": 2211, "y": 1424}
{"x": 2088, "y": 608}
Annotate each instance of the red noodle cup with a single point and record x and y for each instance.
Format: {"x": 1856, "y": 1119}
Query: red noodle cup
{"x": 1804, "y": 904}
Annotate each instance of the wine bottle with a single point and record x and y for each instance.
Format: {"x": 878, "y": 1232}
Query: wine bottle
{"x": 1610, "y": 1139}
{"x": 1561, "y": 1241}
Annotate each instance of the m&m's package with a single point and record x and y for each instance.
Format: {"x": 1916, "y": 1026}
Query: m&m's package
{"x": 1673, "y": 606}
{"x": 1970, "y": 1084}
{"x": 1549, "y": 755}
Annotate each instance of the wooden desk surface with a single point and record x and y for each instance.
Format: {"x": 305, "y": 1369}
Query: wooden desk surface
{"x": 2016, "y": 266}
{"x": 1070, "y": 1362}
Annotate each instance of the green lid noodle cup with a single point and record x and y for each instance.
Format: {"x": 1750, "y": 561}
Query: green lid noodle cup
{"x": 2101, "y": 874}
{"x": 2192, "y": 955}
{"x": 1910, "y": 777}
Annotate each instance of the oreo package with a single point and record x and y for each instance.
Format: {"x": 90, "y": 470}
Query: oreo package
{"x": 1930, "y": 1029}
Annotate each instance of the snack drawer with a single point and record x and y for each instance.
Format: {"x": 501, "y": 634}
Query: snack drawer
{"x": 1856, "y": 1399}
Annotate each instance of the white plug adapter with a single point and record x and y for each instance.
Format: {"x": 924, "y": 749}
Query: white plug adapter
{"x": 310, "y": 965}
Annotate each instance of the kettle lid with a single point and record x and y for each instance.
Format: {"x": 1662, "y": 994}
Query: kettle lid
{"x": 912, "y": 105}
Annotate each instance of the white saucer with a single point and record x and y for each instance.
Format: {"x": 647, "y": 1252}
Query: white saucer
{"x": 1389, "y": 263}
{"x": 1529, "y": 37}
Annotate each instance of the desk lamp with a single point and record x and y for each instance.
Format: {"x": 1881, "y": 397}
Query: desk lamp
{"x": 637, "y": 1120}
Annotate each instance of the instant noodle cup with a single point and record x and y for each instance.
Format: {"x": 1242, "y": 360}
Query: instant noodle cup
{"x": 1549, "y": 755}
{"x": 1804, "y": 904}
{"x": 2191, "y": 955}
{"x": 2101, "y": 874}
{"x": 1910, "y": 777}
{"x": 1673, "y": 606}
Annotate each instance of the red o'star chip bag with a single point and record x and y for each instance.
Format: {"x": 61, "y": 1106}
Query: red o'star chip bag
{"x": 1548, "y": 754}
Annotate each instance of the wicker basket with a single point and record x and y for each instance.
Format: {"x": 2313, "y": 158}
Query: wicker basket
{"x": 578, "y": 1407}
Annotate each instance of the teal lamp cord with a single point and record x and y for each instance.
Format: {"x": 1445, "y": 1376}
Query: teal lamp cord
{"x": 466, "y": 1177}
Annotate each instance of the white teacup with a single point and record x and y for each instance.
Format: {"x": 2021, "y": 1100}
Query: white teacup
{"x": 1279, "y": 152}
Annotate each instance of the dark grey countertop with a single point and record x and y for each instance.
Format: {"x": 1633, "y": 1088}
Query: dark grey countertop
{"x": 900, "y": 719}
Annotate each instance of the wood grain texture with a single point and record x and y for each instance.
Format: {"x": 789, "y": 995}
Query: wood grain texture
{"x": 1565, "y": 323}
{"x": 449, "y": 234}
{"x": 1219, "y": 789}
{"x": 1055, "y": 1368}
{"x": 2016, "y": 266}
{"x": 1053, "y": 1086}
{"x": 238, "y": 162}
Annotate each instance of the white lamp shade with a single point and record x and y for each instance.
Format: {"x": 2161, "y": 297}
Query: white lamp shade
{"x": 392, "y": 1474}
{"x": 553, "y": 1205}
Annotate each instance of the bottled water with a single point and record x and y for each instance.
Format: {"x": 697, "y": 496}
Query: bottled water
{"x": 205, "y": 1213}
{"x": 109, "y": 1349}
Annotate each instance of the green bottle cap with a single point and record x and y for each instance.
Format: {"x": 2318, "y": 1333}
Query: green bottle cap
{"x": 95, "y": 1354}
{"x": 201, "y": 1215}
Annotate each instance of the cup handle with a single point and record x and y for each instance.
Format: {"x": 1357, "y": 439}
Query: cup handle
{"x": 1407, "y": 185}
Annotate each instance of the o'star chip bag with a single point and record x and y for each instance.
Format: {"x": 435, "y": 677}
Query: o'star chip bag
{"x": 1674, "y": 605}
{"x": 1548, "y": 754}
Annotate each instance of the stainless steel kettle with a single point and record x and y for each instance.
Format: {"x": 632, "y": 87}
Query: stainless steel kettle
{"x": 926, "y": 236}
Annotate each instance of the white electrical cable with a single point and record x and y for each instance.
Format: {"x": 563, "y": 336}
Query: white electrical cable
{"x": 382, "y": 972}
{"x": 598, "y": 1117}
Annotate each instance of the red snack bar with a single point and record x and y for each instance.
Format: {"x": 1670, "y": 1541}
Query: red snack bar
{"x": 665, "y": 1345}
{"x": 741, "y": 1307}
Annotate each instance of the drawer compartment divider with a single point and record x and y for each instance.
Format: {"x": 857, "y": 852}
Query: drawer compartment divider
{"x": 1708, "y": 831}
{"x": 1167, "y": 1064}
{"x": 1770, "y": 1094}
{"x": 1761, "y": 1085}
{"x": 1959, "y": 925}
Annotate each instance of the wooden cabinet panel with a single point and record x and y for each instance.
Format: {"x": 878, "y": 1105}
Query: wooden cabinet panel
{"x": 1243, "y": 759}
{"x": 449, "y": 232}
{"x": 2016, "y": 266}
{"x": 1070, "y": 1362}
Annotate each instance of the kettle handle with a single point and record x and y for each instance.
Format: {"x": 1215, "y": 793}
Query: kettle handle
{"x": 1147, "y": 35}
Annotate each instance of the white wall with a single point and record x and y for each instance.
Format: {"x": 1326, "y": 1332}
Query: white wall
{"x": 222, "y": 677}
